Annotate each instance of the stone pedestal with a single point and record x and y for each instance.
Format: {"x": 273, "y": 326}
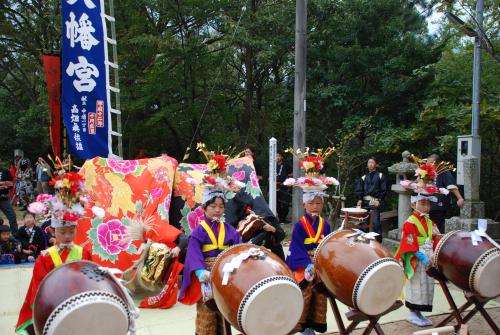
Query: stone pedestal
{"x": 404, "y": 209}
{"x": 457, "y": 223}
{"x": 473, "y": 207}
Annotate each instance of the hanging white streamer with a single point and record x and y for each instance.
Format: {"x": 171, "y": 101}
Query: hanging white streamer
{"x": 369, "y": 236}
{"x": 477, "y": 235}
{"x": 236, "y": 262}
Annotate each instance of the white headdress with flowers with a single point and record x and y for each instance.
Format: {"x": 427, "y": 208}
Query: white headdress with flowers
{"x": 216, "y": 183}
{"x": 424, "y": 184}
{"x": 67, "y": 206}
{"x": 312, "y": 162}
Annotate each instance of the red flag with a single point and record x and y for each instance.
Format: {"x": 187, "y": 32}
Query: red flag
{"x": 52, "y": 66}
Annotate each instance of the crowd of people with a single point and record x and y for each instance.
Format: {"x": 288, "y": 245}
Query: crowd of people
{"x": 19, "y": 186}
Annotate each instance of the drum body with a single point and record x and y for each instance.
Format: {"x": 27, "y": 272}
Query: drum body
{"x": 354, "y": 214}
{"x": 470, "y": 267}
{"x": 255, "y": 291}
{"x": 79, "y": 299}
{"x": 359, "y": 272}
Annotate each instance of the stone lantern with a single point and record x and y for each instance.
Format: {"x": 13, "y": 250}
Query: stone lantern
{"x": 402, "y": 170}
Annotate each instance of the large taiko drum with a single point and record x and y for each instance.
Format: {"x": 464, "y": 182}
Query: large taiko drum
{"x": 358, "y": 271}
{"x": 470, "y": 267}
{"x": 78, "y": 298}
{"x": 255, "y": 291}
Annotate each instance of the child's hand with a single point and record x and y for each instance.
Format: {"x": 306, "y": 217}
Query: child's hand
{"x": 269, "y": 228}
{"x": 309, "y": 273}
{"x": 203, "y": 275}
{"x": 175, "y": 252}
{"x": 423, "y": 258}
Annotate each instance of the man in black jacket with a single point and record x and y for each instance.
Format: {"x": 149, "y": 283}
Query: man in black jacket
{"x": 371, "y": 190}
{"x": 439, "y": 208}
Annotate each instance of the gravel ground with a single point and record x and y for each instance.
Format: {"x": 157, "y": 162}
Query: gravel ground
{"x": 477, "y": 326}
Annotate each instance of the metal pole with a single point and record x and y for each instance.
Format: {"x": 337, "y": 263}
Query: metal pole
{"x": 272, "y": 174}
{"x": 299, "y": 101}
{"x": 476, "y": 76}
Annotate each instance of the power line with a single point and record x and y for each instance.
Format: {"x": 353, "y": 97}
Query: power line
{"x": 243, "y": 10}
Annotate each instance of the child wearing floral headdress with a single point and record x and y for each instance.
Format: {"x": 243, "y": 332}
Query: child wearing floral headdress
{"x": 206, "y": 241}
{"x": 307, "y": 234}
{"x": 65, "y": 210}
{"x": 419, "y": 238}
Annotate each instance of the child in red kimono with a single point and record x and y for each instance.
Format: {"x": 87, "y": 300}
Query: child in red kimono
{"x": 418, "y": 240}
{"x": 63, "y": 252}
{"x": 65, "y": 208}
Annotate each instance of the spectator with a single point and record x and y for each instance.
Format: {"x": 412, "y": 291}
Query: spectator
{"x": 439, "y": 208}
{"x": 370, "y": 191}
{"x": 31, "y": 238}
{"x": 250, "y": 152}
{"x": 5, "y": 204}
{"x": 24, "y": 185}
{"x": 42, "y": 176}
{"x": 13, "y": 173}
{"x": 48, "y": 232}
{"x": 283, "y": 192}
{"x": 10, "y": 249}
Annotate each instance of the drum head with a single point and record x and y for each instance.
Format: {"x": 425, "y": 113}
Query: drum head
{"x": 272, "y": 306}
{"x": 354, "y": 210}
{"x": 93, "y": 312}
{"x": 485, "y": 274}
{"x": 378, "y": 287}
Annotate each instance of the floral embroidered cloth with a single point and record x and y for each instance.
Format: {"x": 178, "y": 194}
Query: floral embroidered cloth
{"x": 185, "y": 212}
{"x": 134, "y": 194}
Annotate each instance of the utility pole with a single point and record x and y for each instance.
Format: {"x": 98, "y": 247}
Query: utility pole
{"x": 476, "y": 74}
{"x": 299, "y": 99}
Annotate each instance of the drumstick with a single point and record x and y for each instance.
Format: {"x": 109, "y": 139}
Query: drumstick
{"x": 440, "y": 330}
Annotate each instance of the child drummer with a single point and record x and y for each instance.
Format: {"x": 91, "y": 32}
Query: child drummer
{"x": 419, "y": 238}
{"x": 65, "y": 209}
{"x": 206, "y": 242}
{"x": 306, "y": 236}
